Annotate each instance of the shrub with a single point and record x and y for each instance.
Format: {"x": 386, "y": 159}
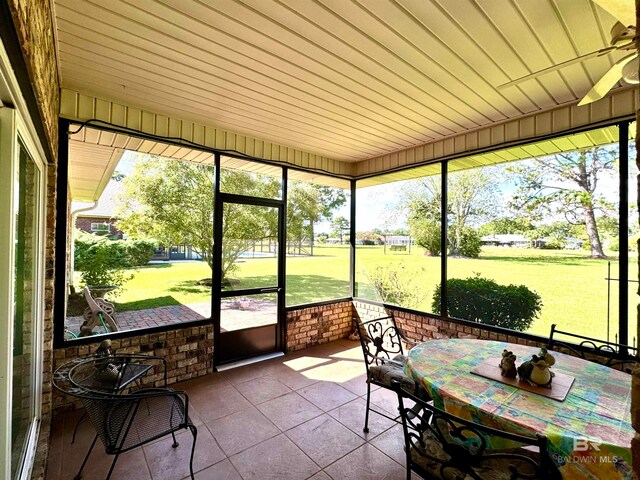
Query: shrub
{"x": 427, "y": 234}
{"x": 484, "y": 301}
{"x": 100, "y": 260}
{"x": 394, "y": 284}
{"x": 554, "y": 245}
{"x": 470, "y": 243}
{"x": 102, "y": 264}
{"x": 139, "y": 252}
{"x": 89, "y": 250}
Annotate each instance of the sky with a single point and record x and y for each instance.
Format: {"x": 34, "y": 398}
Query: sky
{"x": 373, "y": 213}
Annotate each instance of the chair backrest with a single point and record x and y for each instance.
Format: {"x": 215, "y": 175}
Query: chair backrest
{"x": 441, "y": 445}
{"x": 127, "y": 421}
{"x": 380, "y": 339}
{"x": 610, "y": 354}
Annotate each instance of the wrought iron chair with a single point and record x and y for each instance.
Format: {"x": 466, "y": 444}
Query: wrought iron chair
{"x": 439, "y": 445}
{"x": 382, "y": 346}
{"x": 123, "y": 421}
{"x": 610, "y": 354}
{"x": 131, "y": 368}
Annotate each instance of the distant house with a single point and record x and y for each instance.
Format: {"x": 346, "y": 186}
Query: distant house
{"x": 176, "y": 252}
{"x": 570, "y": 243}
{"x": 506, "y": 240}
{"x": 398, "y": 243}
{"x": 100, "y": 220}
{"x": 520, "y": 241}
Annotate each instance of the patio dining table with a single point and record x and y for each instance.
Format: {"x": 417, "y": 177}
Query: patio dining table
{"x": 589, "y": 433}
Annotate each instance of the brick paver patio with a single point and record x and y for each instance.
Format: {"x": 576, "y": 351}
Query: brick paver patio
{"x": 236, "y": 313}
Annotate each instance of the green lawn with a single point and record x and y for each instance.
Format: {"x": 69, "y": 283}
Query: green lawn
{"x": 572, "y": 285}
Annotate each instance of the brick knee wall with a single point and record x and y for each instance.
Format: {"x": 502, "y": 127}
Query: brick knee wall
{"x": 422, "y": 327}
{"x": 188, "y": 351}
{"x": 316, "y": 325}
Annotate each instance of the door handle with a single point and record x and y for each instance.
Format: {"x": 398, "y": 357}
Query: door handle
{"x": 270, "y": 290}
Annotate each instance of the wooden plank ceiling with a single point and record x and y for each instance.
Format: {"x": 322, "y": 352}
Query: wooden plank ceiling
{"x": 94, "y": 156}
{"x": 573, "y": 142}
{"x": 347, "y": 79}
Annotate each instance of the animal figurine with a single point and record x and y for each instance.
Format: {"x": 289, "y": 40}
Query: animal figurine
{"x": 536, "y": 372}
{"x": 104, "y": 349}
{"x": 547, "y": 357}
{"x": 508, "y": 364}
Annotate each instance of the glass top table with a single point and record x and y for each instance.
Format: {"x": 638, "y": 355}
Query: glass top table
{"x": 101, "y": 374}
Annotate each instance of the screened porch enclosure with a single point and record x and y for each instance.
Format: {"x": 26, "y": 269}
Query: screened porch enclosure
{"x": 211, "y": 181}
{"x": 338, "y": 235}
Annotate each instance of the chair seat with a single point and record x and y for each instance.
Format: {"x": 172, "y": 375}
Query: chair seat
{"x": 432, "y": 457}
{"x": 390, "y": 370}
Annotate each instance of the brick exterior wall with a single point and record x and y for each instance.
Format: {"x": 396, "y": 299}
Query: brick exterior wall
{"x": 317, "y": 325}
{"x": 33, "y": 22}
{"x": 84, "y": 224}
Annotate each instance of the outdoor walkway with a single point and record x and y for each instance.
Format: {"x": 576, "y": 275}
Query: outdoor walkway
{"x": 236, "y": 314}
{"x": 292, "y": 418}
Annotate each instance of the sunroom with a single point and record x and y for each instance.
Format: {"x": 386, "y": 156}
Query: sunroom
{"x": 277, "y": 169}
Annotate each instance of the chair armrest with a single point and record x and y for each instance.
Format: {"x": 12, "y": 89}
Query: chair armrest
{"x": 163, "y": 392}
{"x": 408, "y": 340}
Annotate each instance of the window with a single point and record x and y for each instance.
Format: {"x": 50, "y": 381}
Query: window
{"x": 160, "y": 273}
{"x": 100, "y": 227}
{"x": 22, "y": 194}
{"x": 25, "y": 293}
{"x": 539, "y": 221}
{"x": 398, "y": 238}
{"x": 318, "y": 247}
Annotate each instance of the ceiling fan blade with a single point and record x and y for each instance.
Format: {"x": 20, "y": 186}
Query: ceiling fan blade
{"x": 555, "y": 67}
{"x": 622, "y": 10}
{"x": 608, "y": 80}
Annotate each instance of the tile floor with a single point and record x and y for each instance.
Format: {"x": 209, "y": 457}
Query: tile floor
{"x": 291, "y": 418}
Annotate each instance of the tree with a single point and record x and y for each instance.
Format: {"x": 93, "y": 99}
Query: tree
{"x": 565, "y": 184}
{"x": 506, "y": 225}
{"x": 472, "y": 196}
{"x": 338, "y": 227}
{"x": 308, "y": 204}
{"x": 172, "y": 202}
{"x": 426, "y": 233}
{"x": 369, "y": 238}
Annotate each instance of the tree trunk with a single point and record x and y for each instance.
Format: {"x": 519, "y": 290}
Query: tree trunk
{"x": 592, "y": 231}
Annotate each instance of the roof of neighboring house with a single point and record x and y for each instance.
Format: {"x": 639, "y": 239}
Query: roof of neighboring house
{"x": 106, "y": 204}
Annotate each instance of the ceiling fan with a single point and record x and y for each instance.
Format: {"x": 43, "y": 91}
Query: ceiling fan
{"x": 623, "y": 33}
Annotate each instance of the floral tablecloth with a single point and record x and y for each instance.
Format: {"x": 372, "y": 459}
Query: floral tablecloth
{"x": 589, "y": 433}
